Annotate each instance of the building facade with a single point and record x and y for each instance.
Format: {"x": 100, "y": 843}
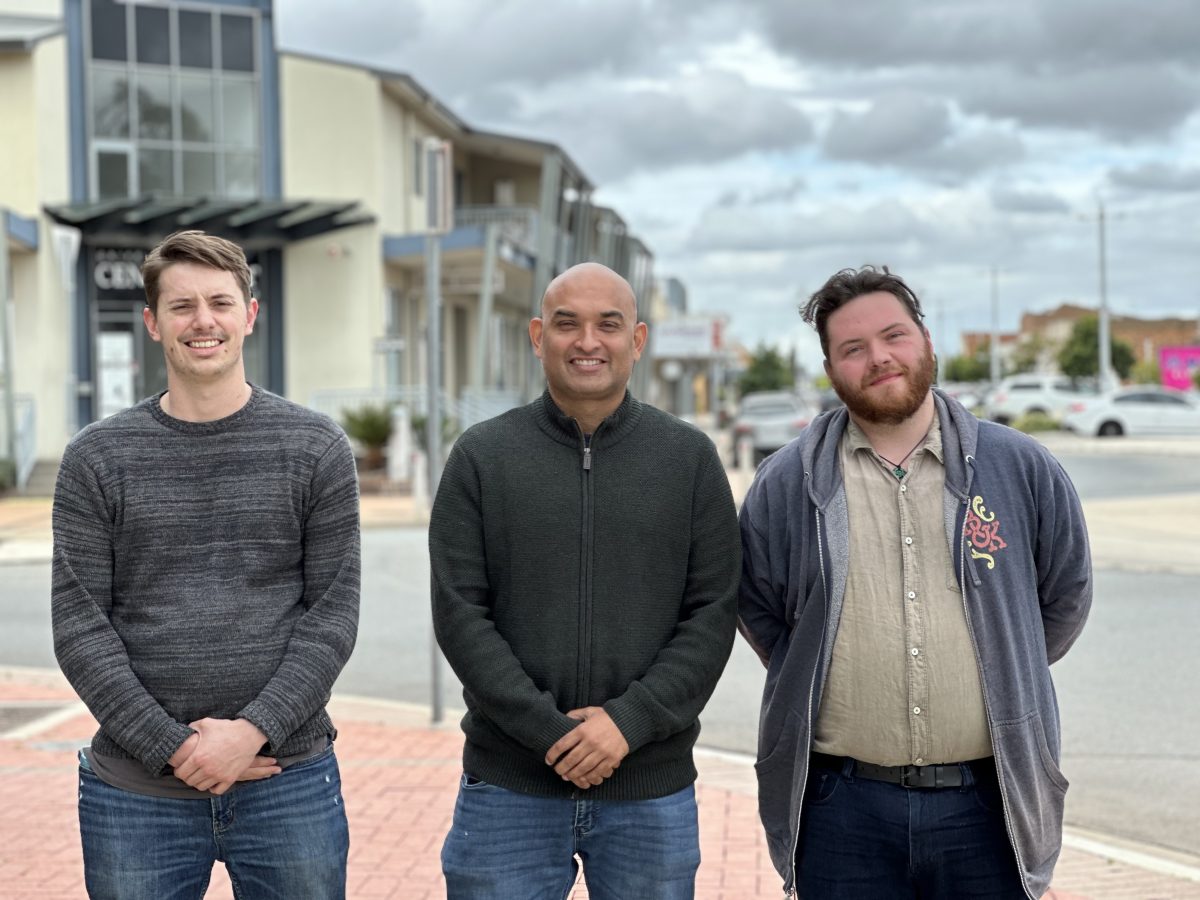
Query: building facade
{"x": 125, "y": 121}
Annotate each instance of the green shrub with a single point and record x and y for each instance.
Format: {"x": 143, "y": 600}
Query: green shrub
{"x": 1035, "y": 421}
{"x": 371, "y": 426}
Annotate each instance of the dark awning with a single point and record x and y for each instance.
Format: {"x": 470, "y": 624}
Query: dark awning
{"x": 256, "y": 223}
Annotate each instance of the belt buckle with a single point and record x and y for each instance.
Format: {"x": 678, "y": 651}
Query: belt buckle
{"x": 917, "y": 776}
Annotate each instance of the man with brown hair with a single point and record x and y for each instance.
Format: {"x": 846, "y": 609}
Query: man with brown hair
{"x": 205, "y": 597}
{"x": 909, "y": 575}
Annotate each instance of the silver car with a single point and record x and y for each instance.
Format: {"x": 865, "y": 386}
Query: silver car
{"x": 767, "y": 420}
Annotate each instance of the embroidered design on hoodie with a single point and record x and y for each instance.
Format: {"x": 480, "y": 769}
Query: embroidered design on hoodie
{"x": 983, "y": 531}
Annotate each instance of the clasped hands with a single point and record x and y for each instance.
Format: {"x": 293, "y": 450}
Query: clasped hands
{"x": 220, "y": 753}
{"x": 589, "y": 752}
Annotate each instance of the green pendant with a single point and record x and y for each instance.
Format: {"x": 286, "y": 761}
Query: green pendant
{"x": 898, "y": 472}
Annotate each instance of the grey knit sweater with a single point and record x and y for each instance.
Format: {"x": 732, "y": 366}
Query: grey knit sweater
{"x": 564, "y": 578}
{"x": 206, "y": 569}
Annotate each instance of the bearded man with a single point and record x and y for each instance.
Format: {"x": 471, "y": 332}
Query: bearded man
{"x": 909, "y": 575}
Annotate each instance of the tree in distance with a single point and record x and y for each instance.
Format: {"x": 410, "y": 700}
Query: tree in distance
{"x": 1080, "y": 355}
{"x": 767, "y": 371}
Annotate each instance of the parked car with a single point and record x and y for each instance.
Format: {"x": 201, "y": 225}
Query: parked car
{"x": 1020, "y": 395}
{"x": 1141, "y": 410}
{"x": 767, "y": 420}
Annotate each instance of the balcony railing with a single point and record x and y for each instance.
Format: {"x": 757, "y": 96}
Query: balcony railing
{"x": 517, "y": 223}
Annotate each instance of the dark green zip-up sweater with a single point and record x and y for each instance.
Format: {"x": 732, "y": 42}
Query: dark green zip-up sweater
{"x": 569, "y": 575}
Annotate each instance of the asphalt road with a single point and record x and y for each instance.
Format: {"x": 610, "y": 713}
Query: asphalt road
{"x": 1130, "y": 723}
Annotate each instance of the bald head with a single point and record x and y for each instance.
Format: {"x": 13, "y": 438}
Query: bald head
{"x": 594, "y": 279}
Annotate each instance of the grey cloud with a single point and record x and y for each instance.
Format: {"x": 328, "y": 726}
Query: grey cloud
{"x": 895, "y": 126}
{"x": 1123, "y": 102}
{"x": 888, "y": 223}
{"x": 1104, "y": 31}
{"x": 916, "y": 132}
{"x": 870, "y": 33}
{"x": 704, "y": 119}
{"x": 1157, "y": 177}
{"x": 368, "y": 32}
{"x": 785, "y": 193}
{"x": 1017, "y": 200}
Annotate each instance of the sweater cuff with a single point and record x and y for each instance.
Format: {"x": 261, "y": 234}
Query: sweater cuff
{"x": 165, "y": 745}
{"x": 256, "y": 713}
{"x": 632, "y": 718}
{"x": 550, "y": 733}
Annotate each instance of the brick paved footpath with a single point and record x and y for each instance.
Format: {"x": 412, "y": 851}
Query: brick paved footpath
{"x": 399, "y": 781}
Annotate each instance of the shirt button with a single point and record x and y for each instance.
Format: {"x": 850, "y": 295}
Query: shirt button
{"x": 912, "y": 595}
{"x": 908, "y": 540}
{"x": 916, "y": 710}
{"x": 914, "y": 651}
{"x": 903, "y": 488}
{"x": 920, "y": 761}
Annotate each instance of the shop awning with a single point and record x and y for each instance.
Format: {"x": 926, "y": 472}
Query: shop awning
{"x": 256, "y": 223}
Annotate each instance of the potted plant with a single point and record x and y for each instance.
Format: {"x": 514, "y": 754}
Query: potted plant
{"x": 371, "y": 428}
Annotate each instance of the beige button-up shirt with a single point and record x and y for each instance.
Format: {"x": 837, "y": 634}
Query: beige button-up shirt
{"x": 903, "y": 685}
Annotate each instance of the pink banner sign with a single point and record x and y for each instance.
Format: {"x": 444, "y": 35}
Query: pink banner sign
{"x": 1178, "y": 366}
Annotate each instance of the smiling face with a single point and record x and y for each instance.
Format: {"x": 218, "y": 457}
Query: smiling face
{"x": 201, "y": 320}
{"x": 880, "y": 361}
{"x": 588, "y": 339}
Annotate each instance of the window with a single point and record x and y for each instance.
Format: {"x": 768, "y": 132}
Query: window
{"x": 173, "y": 100}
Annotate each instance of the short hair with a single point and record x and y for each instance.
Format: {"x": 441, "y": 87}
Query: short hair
{"x": 194, "y": 247}
{"x": 850, "y": 284}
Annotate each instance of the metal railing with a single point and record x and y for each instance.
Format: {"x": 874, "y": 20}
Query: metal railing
{"x": 473, "y": 406}
{"x": 517, "y": 223}
{"x": 26, "y": 444}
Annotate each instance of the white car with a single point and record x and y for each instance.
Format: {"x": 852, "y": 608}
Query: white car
{"x": 1019, "y": 395}
{"x": 767, "y": 420}
{"x": 1141, "y": 410}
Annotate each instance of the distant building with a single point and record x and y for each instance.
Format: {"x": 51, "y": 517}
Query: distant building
{"x": 1047, "y": 332}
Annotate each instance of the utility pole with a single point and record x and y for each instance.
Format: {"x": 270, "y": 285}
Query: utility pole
{"x": 1106, "y": 373}
{"x": 994, "y": 345}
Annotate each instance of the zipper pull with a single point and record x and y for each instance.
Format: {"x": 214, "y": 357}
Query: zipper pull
{"x": 587, "y": 459}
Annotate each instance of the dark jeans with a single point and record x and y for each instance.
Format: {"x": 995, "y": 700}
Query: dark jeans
{"x": 281, "y": 838}
{"x": 509, "y": 846}
{"x": 870, "y": 840}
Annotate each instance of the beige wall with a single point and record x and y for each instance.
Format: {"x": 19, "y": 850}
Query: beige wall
{"x": 332, "y": 132}
{"x": 333, "y": 287}
{"x": 18, "y": 133}
{"x": 33, "y": 134}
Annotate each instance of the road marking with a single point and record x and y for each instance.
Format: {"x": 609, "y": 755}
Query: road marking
{"x": 45, "y": 723}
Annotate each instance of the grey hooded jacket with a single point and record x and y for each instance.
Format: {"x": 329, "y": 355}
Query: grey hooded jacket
{"x": 1019, "y": 543}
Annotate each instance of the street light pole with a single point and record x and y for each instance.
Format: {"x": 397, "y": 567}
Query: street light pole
{"x": 1106, "y": 373}
{"x": 994, "y": 349}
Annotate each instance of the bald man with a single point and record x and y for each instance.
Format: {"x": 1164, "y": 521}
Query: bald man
{"x": 585, "y": 558}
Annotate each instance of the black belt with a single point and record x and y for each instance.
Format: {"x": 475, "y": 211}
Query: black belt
{"x": 940, "y": 776}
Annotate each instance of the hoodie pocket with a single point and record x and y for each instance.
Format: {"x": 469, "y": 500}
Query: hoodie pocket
{"x": 1035, "y": 789}
{"x": 776, "y": 775}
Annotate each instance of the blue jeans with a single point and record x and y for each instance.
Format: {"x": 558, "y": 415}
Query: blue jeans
{"x": 280, "y": 838}
{"x": 869, "y": 840}
{"x": 509, "y": 846}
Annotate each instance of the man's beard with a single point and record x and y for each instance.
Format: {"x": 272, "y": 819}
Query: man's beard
{"x": 893, "y": 409}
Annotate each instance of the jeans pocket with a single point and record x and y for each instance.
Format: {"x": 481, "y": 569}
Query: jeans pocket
{"x": 471, "y": 783}
{"x": 84, "y": 765}
{"x": 313, "y": 760}
{"x": 822, "y": 785}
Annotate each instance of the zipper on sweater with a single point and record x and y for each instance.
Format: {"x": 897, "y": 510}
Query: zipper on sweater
{"x": 584, "y": 657}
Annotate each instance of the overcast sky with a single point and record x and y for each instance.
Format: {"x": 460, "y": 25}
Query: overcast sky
{"x": 758, "y": 146}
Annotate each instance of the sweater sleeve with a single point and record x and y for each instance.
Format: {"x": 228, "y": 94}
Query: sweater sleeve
{"x": 481, "y": 657}
{"x": 324, "y": 635}
{"x": 670, "y": 695}
{"x": 1064, "y": 564}
{"x": 89, "y": 651}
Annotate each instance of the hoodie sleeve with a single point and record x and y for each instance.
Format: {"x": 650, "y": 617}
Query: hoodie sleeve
{"x": 1064, "y": 563}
